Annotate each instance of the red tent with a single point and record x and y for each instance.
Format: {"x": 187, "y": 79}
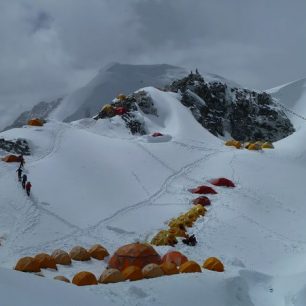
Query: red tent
{"x": 203, "y": 190}
{"x": 120, "y": 110}
{"x": 204, "y": 201}
{"x": 222, "y": 182}
{"x": 157, "y": 134}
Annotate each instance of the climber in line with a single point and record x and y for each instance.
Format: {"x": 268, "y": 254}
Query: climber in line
{"x": 19, "y": 172}
{"x": 22, "y": 161}
{"x": 28, "y": 188}
{"x": 24, "y": 180}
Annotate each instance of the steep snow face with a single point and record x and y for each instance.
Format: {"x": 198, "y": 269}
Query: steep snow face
{"x": 94, "y": 182}
{"x": 224, "y": 110}
{"x": 111, "y": 81}
{"x": 293, "y": 97}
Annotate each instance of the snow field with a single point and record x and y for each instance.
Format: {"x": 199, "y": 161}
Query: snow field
{"x": 95, "y": 183}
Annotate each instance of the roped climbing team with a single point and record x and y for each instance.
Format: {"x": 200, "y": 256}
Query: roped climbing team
{"x": 23, "y": 178}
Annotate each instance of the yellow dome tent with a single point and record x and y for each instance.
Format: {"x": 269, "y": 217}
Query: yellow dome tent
{"x": 214, "y": 264}
{"x": 190, "y": 267}
{"x": 267, "y": 145}
{"x": 84, "y": 278}
{"x": 79, "y": 253}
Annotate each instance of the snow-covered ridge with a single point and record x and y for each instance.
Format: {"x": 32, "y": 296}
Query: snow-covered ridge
{"x": 94, "y": 182}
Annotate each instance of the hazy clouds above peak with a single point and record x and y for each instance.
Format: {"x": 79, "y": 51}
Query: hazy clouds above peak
{"x": 50, "y": 47}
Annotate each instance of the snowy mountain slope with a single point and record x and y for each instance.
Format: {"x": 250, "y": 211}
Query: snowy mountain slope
{"x": 111, "y": 81}
{"x": 293, "y": 96}
{"x": 93, "y": 182}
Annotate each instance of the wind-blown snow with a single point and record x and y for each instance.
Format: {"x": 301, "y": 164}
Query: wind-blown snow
{"x": 93, "y": 182}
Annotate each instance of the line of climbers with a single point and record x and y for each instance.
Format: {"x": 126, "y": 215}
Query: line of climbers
{"x": 23, "y": 177}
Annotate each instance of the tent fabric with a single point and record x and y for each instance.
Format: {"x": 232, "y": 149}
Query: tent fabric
{"x": 84, "y": 278}
{"x": 61, "y": 257}
{"x": 111, "y": 276}
{"x": 35, "y": 122}
{"x": 157, "y": 134}
{"x": 254, "y": 147}
{"x": 121, "y": 97}
{"x": 79, "y": 253}
{"x": 230, "y": 143}
{"x": 45, "y": 261}
{"x": 132, "y": 273}
{"x": 233, "y": 143}
{"x": 11, "y": 158}
{"x": 190, "y": 267}
{"x": 222, "y": 182}
{"x": 61, "y": 278}
{"x": 164, "y": 238}
{"x": 134, "y": 254}
{"x": 152, "y": 271}
{"x": 178, "y": 232}
{"x": 97, "y": 251}
{"x": 214, "y": 264}
{"x": 108, "y": 110}
{"x": 202, "y": 200}
{"x": 169, "y": 268}
{"x": 203, "y": 190}
{"x": 199, "y": 209}
{"x": 267, "y": 145}
{"x": 120, "y": 110}
{"x": 174, "y": 257}
{"x": 27, "y": 264}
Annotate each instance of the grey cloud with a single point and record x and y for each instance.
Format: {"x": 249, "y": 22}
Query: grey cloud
{"x": 50, "y": 47}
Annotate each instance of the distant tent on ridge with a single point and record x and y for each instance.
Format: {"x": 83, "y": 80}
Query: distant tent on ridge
{"x": 35, "y": 122}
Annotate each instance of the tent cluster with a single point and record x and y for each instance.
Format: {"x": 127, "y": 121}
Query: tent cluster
{"x": 111, "y": 110}
{"x": 250, "y": 145}
{"x": 60, "y": 257}
{"x": 131, "y": 262}
{"x": 139, "y": 261}
{"x": 178, "y": 227}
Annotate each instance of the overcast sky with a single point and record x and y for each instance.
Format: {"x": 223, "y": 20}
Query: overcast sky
{"x": 48, "y": 47}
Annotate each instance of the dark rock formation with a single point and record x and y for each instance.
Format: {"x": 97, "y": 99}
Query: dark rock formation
{"x": 132, "y": 103}
{"x": 242, "y": 113}
{"x": 19, "y": 146}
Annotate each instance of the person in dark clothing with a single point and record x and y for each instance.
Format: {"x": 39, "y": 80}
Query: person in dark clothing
{"x": 28, "y": 188}
{"x": 24, "y": 180}
{"x": 19, "y": 172}
{"x": 21, "y": 159}
{"x": 191, "y": 240}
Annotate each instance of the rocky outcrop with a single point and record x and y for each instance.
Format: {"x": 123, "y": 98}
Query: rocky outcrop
{"x": 19, "y": 146}
{"x": 132, "y": 104}
{"x": 222, "y": 109}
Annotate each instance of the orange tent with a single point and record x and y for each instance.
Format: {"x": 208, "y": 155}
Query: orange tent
{"x": 174, "y": 257}
{"x": 27, "y": 264}
{"x": 132, "y": 273}
{"x": 214, "y": 264}
{"x": 84, "y": 279}
{"x": 190, "y": 267}
{"x": 134, "y": 254}
{"x": 169, "y": 268}
{"x": 11, "y": 159}
{"x": 45, "y": 261}
{"x": 97, "y": 251}
{"x": 35, "y": 122}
